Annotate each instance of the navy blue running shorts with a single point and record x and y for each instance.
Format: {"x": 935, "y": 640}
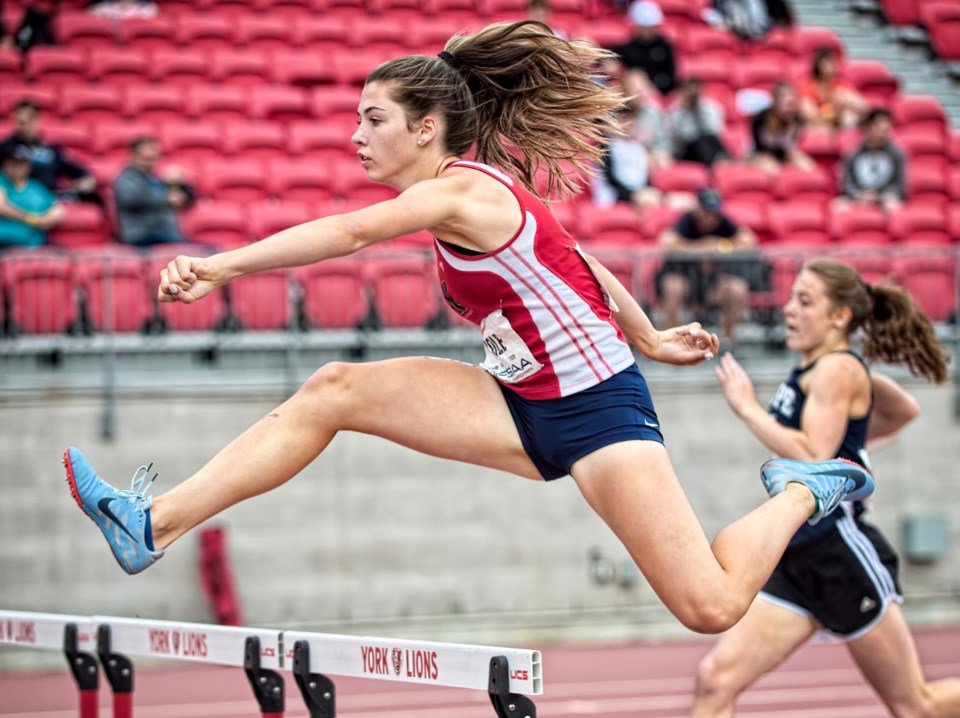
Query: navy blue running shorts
{"x": 557, "y": 432}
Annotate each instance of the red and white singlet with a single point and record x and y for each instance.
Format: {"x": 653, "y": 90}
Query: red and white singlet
{"x": 546, "y": 318}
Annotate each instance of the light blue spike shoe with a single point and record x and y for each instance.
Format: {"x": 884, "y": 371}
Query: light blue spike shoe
{"x": 830, "y": 481}
{"x": 121, "y": 515}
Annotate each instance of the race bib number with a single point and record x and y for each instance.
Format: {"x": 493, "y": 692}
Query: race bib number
{"x": 507, "y": 357}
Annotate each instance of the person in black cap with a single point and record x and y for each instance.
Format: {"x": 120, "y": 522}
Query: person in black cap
{"x": 48, "y": 162}
{"x": 698, "y": 269}
{"x": 27, "y": 208}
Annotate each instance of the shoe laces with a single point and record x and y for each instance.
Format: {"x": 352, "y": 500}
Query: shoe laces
{"x": 139, "y": 484}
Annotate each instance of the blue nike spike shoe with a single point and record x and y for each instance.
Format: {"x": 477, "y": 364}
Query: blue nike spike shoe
{"x": 121, "y": 515}
{"x": 830, "y": 481}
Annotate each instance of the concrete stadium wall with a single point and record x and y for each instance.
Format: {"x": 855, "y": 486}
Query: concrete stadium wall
{"x": 373, "y": 536}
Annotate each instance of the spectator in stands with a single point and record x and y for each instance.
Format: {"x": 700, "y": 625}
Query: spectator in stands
{"x": 147, "y": 204}
{"x": 49, "y": 162}
{"x": 35, "y": 28}
{"x": 875, "y": 174}
{"x": 542, "y": 11}
{"x": 625, "y": 175}
{"x": 123, "y": 9}
{"x": 649, "y": 125}
{"x": 27, "y": 208}
{"x": 776, "y": 131}
{"x": 696, "y": 123}
{"x": 701, "y": 268}
{"x": 750, "y": 19}
{"x": 826, "y": 99}
{"x": 648, "y": 50}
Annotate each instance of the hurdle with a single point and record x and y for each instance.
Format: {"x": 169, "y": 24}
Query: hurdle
{"x": 508, "y": 675}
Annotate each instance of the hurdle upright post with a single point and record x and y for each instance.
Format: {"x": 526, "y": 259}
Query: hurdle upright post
{"x": 317, "y": 690}
{"x": 267, "y": 684}
{"x": 83, "y": 666}
{"x": 505, "y": 703}
{"x": 119, "y": 672}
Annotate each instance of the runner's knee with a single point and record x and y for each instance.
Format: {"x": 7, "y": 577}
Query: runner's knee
{"x": 331, "y": 381}
{"x": 715, "y": 684}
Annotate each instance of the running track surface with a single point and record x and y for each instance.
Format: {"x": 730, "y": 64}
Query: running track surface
{"x": 640, "y": 681}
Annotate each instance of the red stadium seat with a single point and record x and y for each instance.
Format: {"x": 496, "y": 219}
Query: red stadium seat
{"x": 901, "y": 12}
{"x": 289, "y": 67}
{"x": 218, "y": 103}
{"x": 873, "y": 79}
{"x": 80, "y": 29}
{"x": 318, "y": 33}
{"x": 40, "y": 291}
{"x": 207, "y": 32}
{"x": 954, "y": 180}
{"x": 793, "y": 183}
{"x": 51, "y": 65}
{"x": 254, "y": 139}
{"x": 279, "y": 104}
{"x": 873, "y": 268}
{"x": 46, "y": 98}
{"x": 94, "y": 104}
{"x": 807, "y": 41}
{"x": 920, "y": 111}
{"x": 271, "y": 217}
{"x": 352, "y": 68}
{"x": 77, "y": 137}
{"x": 194, "y": 140}
{"x": 742, "y": 181}
{"x": 931, "y": 282}
{"x": 953, "y": 220}
{"x": 261, "y": 301}
{"x": 119, "y": 65}
{"x": 802, "y": 224}
{"x": 921, "y": 146}
{"x": 859, "y": 225}
{"x": 777, "y": 46}
{"x": 240, "y": 180}
{"x": 334, "y": 294}
{"x": 616, "y": 224}
{"x": 323, "y": 141}
{"x": 155, "y": 33}
{"x": 299, "y": 180}
{"x": 944, "y": 29}
{"x": 382, "y": 34}
{"x": 713, "y": 69}
{"x": 681, "y": 177}
{"x": 181, "y": 66}
{"x": 757, "y": 72}
{"x": 928, "y": 184}
{"x": 921, "y": 224}
{"x": 336, "y": 102}
{"x": 150, "y": 103}
{"x": 750, "y": 213}
{"x": 220, "y": 224}
{"x": 705, "y": 41}
{"x": 240, "y": 67}
{"x": 113, "y": 289}
{"x": 404, "y": 291}
{"x": 655, "y": 219}
{"x": 266, "y": 32}
{"x": 84, "y": 226}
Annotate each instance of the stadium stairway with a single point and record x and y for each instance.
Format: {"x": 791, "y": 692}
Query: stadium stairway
{"x": 867, "y": 37}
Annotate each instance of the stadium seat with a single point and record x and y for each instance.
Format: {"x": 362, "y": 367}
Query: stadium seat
{"x": 400, "y": 9}
{"x": 218, "y": 103}
{"x": 318, "y": 33}
{"x": 953, "y": 222}
{"x": 461, "y": 10}
{"x": 266, "y": 32}
{"x": 757, "y": 72}
{"x": 92, "y": 104}
{"x": 41, "y": 292}
{"x": 928, "y": 184}
{"x": 289, "y": 67}
{"x": 206, "y": 32}
{"x": 352, "y": 68}
{"x": 704, "y": 41}
{"x": 777, "y": 46}
{"x": 254, "y": 139}
{"x": 221, "y": 224}
{"x": 46, "y": 98}
{"x": 920, "y": 111}
{"x": 155, "y": 33}
{"x": 859, "y": 225}
{"x": 793, "y": 183}
{"x": 192, "y": 140}
{"x": 112, "y": 285}
{"x": 921, "y": 224}
{"x": 712, "y": 67}
{"x": 404, "y": 290}
{"x": 742, "y": 181}
{"x": 279, "y": 103}
{"x": 618, "y": 223}
{"x": 334, "y": 294}
{"x": 261, "y": 301}
{"x": 954, "y": 179}
{"x": 351, "y": 184}
{"x": 151, "y": 103}
{"x": 112, "y": 138}
{"x": 800, "y": 224}
{"x": 52, "y": 65}
{"x": 873, "y": 267}
{"x": 431, "y": 36}
{"x": 807, "y": 41}
{"x": 73, "y": 136}
{"x": 931, "y": 282}
{"x": 750, "y": 213}
{"x": 320, "y": 140}
{"x": 297, "y": 180}
{"x": 119, "y": 65}
{"x": 81, "y": 29}
{"x": 246, "y": 67}
{"x": 240, "y": 180}
{"x": 336, "y": 103}
{"x": 383, "y": 35}
{"x": 84, "y": 226}
{"x": 274, "y": 216}
{"x": 180, "y": 66}
{"x": 874, "y": 80}
{"x": 921, "y": 146}
{"x": 680, "y": 177}
{"x": 901, "y": 12}
{"x": 945, "y": 31}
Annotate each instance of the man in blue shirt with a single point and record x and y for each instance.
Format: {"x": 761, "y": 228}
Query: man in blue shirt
{"x": 27, "y": 208}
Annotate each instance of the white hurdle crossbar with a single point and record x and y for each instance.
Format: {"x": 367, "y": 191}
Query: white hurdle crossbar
{"x": 507, "y": 674}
